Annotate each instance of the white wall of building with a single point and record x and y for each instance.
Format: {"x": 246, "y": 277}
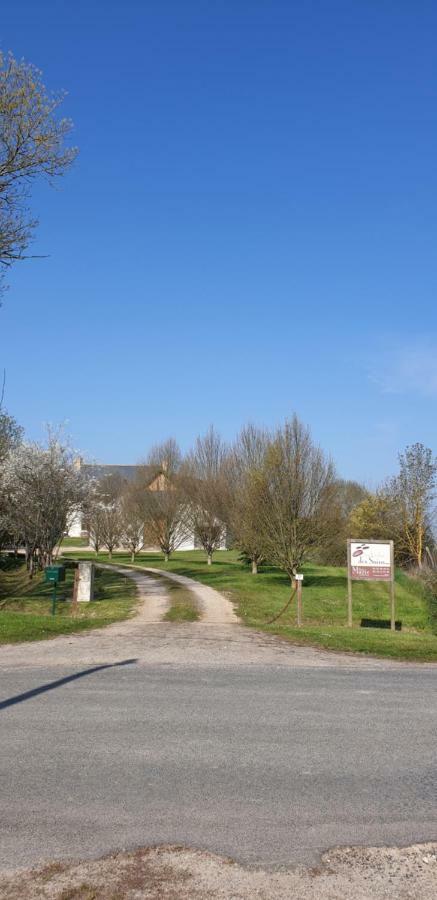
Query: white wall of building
{"x": 74, "y": 527}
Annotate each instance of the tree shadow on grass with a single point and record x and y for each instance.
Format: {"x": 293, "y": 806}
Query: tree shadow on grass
{"x": 52, "y": 685}
{"x": 9, "y": 562}
{"x": 325, "y": 581}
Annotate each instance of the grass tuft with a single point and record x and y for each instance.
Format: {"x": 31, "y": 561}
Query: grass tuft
{"x": 183, "y": 606}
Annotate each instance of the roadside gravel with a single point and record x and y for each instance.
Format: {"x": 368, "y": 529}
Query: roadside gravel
{"x": 175, "y": 873}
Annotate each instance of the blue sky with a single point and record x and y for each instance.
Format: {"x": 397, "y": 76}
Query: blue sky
{"x": 250, "y": 228}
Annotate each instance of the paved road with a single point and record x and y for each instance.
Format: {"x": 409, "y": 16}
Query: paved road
{"x": 270, "y": 765}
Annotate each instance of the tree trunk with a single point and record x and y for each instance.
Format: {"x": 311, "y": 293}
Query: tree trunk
{"x": 209, "y": 559}
{"x": 166, "y": 556}
{"x": 420, "y": 546}
{"x": 110, "y": 553}
{"x": 254, "y": 567}
{"x": 132, "y": 556}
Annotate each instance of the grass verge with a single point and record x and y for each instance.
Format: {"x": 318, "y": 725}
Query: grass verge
{"x": 183, "y": 606}
{"x": 25, "y": 607}
{"x": 258, "y": 598}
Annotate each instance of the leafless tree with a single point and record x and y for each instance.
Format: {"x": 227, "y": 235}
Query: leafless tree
{"x": 31, "y": 145}
{"x": 346, "y": 496}
{"x": 166, "y": 457}
{"x": 402, "y": 509}
{"x": 109, "y": 494}
{"x": 93, "y": 520}
{"x": 132, "y": 519}
{"x": 206, "y": 489}
{"x": 111, "y": 527}
{"x": 413, "y": 495}
{"x": 295, "y": 487}
{"x": 163, "y": 500}
{"x": 245, "y": 463}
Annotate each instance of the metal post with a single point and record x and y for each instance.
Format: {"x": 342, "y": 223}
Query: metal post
{"x": 54, "y": 599}
{"x": 349, "y": 586}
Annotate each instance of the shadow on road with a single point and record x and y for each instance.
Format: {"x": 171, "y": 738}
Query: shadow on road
{"x": 51, "y": 685}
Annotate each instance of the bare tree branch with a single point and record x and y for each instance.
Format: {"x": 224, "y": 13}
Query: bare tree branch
{"x": 31, "y": 145}
{"x": 206, "y": 488}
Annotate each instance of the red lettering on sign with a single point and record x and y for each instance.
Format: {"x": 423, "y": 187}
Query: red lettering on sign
{"x": 371, "y": 573}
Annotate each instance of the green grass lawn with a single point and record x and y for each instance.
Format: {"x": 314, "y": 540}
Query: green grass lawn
{"x": 25, "y": 607}
{"x": 74, "y": 542}
{"x": 258, "y": 598}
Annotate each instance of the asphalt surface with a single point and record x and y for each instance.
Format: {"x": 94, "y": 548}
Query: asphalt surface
{"x": 270, "y": 765}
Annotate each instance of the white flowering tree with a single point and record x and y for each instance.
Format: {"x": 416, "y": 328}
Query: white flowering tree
{"x": 42, "y": 489}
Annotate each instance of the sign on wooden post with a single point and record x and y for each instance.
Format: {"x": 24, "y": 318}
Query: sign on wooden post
{"x": 75, "y": 592}
{"x": 370, "y": 561}
{"x": 299, "y": 579}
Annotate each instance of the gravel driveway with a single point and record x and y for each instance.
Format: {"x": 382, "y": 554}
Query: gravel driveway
{"x": 217, "y": 639}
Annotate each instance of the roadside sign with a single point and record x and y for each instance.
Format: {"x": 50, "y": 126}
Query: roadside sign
{"x": 371, "y": 561}
{"x": 298, "y": 582}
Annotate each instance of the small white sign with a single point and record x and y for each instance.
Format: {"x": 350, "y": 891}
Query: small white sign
{"x": 298, "y": 577}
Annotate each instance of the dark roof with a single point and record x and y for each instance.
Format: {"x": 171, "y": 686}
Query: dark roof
{"x": 127, "y": 473}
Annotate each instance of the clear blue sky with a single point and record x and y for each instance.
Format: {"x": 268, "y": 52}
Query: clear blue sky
{"x": 250, "y": 228}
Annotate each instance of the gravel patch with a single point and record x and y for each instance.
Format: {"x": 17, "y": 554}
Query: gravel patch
{"x": 152, "y": 593}
{"x": 177, "y": 873}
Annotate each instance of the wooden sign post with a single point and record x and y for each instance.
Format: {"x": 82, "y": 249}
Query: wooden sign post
{"x": 371, "y": 561}
{"x": 74, "y": 602}
{"x": 392, "y": 588}
{"x": 299, "y": 580}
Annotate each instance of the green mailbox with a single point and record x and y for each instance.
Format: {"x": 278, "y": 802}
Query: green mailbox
{"x": 54, "y": 574}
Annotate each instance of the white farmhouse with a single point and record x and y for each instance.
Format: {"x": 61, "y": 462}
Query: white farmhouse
{"x": 156, "y": 481}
